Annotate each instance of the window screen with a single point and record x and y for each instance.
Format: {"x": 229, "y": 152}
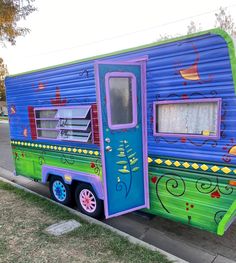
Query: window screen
{"x": 121, "y": 106}
{"x": 193, "y": 118}
{"x": 65, "y": 123}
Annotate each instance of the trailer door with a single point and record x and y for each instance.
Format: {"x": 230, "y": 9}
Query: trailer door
{"x": 122, "y": 122}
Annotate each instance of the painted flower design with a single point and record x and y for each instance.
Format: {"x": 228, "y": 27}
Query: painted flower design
{"x": 128, "y": 166}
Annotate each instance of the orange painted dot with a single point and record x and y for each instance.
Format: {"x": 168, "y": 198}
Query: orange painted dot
{"x": 233, "y": 183}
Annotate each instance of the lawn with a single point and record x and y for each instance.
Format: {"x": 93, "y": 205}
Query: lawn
{"x": 3, "y": 118}
{"x": 23, "y": 218}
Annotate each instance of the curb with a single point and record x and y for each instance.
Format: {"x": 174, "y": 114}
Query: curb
{"x": 91, "y": 220}
{"x": 4, "y": 121}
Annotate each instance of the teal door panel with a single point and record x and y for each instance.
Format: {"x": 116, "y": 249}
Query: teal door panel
{"x": 121, "y": 100}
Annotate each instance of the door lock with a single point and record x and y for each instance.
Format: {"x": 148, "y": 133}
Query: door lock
{"x": 107, "y": 140}
{"x": 108, "y": 149}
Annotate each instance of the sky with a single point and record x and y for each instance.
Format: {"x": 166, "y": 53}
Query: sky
{"x": 64, "y": 31}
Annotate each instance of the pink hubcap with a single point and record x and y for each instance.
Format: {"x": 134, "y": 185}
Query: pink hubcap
{"x": 88, "y": 200}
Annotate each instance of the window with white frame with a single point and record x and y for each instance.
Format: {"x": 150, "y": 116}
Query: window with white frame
{"x": 197, "y": 117}
{"x": 64, "y": 123}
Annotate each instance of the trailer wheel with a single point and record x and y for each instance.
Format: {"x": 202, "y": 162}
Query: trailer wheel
{"x": 87, "y": 201}
{"x": 60, "y": 192}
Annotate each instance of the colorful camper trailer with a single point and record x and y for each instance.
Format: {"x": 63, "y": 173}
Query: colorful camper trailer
{"x": 150, "y": 128}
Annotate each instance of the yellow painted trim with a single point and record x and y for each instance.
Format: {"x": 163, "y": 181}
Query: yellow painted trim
{"x": 57, "y": 148}
{"x": 158, "y": 161}
{"x": 190, "y": 165}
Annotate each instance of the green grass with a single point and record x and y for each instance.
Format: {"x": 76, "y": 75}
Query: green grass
{"x": 3, "y": 118}
{"x": 46, "y": 205}
{"x": 89, "y": 243}
{"x": 3, "y": 247}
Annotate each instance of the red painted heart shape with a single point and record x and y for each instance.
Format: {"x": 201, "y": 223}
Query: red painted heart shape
{"x": 92, "y": 165}
{"x": 154, "y": 179}
{"x": 184, "y": 96}
{"x": 215, "y": 194}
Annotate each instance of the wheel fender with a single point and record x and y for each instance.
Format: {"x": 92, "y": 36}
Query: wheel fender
{"x": 69, "y": 176}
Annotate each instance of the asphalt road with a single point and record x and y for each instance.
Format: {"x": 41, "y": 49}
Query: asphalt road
{"x": 191, "y": 244}
{"x": 5, "y": 149}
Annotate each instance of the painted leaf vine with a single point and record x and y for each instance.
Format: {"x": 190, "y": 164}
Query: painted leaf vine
{"x": 128, "y": 167}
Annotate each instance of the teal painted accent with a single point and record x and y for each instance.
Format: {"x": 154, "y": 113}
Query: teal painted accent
{"x": 59, "y": 191}
{"x": 124, "y": 179}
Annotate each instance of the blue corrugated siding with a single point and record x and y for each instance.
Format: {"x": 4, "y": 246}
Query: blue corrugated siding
{"x": 77, "y": 85}
{"x": 164, "y": 83}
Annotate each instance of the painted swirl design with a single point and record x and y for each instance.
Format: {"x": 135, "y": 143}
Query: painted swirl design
{"x": 174, "y": 185}
{"x": 219, "y": 216}
{"x": 207, "y": 186}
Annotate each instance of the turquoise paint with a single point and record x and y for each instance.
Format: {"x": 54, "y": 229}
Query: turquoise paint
{"x": 124, "y": 164}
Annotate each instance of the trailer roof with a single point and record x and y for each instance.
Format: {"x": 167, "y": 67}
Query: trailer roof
{"x": 217, "y": 31}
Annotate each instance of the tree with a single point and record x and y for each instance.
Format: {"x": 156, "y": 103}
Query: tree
{"x": 11, "y": 12}
{"x": 225, "y": 21}
{"x": 3, "y": 74}
{"x": 164, "y": 37}
{"x": 193, "y": 28}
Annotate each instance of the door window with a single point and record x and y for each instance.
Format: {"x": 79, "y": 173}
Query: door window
{"x": 121, "y": 100}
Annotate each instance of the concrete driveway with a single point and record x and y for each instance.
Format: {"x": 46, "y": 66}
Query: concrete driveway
{"x": 186, "y": 242}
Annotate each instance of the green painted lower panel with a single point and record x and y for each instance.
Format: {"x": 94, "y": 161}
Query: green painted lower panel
{"x": 197, "y": 199}
{"x": 186, "y": 193}
{"x": 227, "y": 220}
{"x": 29, "y": 161}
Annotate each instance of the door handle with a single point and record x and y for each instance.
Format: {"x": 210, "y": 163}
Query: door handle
{"x": 108, "y": 148}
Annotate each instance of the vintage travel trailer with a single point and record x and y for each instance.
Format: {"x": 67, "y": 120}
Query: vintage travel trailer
{"x": 152, "y": 128}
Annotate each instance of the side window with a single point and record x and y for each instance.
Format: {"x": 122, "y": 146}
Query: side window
{"x": 196, "y": 118}
{"x": 121, "y": 100}
{"x": 64, "y": 123}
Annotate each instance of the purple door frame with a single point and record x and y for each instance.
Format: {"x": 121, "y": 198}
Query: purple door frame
{"x": 142, "y": 63}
